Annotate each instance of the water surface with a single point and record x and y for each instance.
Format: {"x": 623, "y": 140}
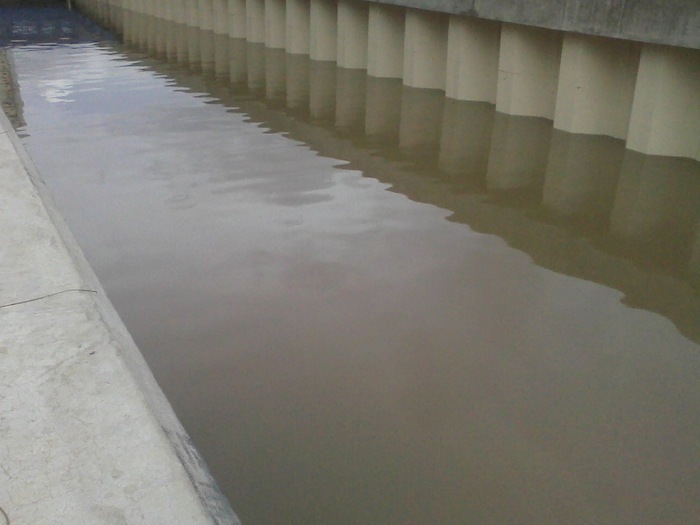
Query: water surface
{"x": 369, "y": 304}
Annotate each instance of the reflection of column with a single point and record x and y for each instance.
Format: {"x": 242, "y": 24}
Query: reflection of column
{"x": 297, "y": 26}
{"x": 237, "y": 19}
{"x": 255, "y": 59}
{"x": 181, "y": 44}
{"x": 694, "y": 264}
{"x": 323, "y": 25}
{"x": 350, "y": 100}
{"x": 421, "y": 122}
{"x": 238, "y": 64}
{"x": 275, "y": 24}
{"x": 472, "y": 59}
{"x": 255, "y": 21}
{"x": 665, "y": 116}
{"x": 519, "y": 152}
{"x": 596, "y": 84}
{"x": 322, "y": 90}
{"x": 352, "y": 34}
{"x": 466, "y": 138}
{"x": 656, "y": 207}
{"x": 582, "y": 175}
{"x": 194, "y": 54}
{"x": 528, "y": 68}
{"x": 383, "y": 109}
{"x": 221, "y": 60}
{"x": 385, "y": 39}
{"x": 297, "y": 69}
{"x": 206, "y": 42}
{"x": 425, "y": 49}
{"x": 275, "y": 77}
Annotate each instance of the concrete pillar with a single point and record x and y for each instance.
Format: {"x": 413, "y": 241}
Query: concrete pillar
{"x": 297, "y": 70}
{"x": 206, "y": 15}
{"x": 656, "y": 209}
{"x": 237, "y": 19}
{"x": 323, "y": 25}
{"x": 352, "y": 34}
{"x": 350, "y": 98}
{"x": 193, "y": 13}
{"x": 297, "y": 30}
{"x": 519, "y": 152}
{"x": 465, "y": 140}
{"x": 322, "y": 87}
{"x": 596, "y": 85}
{"x": 581, "y": 176}
{"x": 194, "y": 49}
{"x": 275, "y": 78}
{"x": 665, "y": 116}
{"x": 275, "y": 25}
{"x": 425, "y": 49}
{"x": 472, "y": 59}
{"x": 421, "y": 123}
{"x": 383, "y": 110}
{"x": 255, "y": 21}
{"x": 385, "y": 38}
{"x": 528, "y": 69}
{"x": 221, "y": 17}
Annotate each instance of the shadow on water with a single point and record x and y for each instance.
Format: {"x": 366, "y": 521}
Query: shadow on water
{"x": 362, "y": 378}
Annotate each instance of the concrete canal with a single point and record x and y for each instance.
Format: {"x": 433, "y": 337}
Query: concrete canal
{"x": 369, "y": 303}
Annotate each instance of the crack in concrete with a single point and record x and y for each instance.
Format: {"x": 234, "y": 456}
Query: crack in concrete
{"x": 47, "y": 296}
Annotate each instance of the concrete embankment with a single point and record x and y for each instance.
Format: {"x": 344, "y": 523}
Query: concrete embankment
{"x": 86, "y": 435}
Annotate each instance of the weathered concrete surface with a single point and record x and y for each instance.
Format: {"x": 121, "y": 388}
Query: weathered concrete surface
{"x": 672, "y": 22}
{"x": 86, "y": 435}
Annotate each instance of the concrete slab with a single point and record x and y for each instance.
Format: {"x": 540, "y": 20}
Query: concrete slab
{"x": 86, "y": 435}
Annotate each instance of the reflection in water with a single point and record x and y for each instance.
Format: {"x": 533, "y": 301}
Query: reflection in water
{"x": 342, "y": 354}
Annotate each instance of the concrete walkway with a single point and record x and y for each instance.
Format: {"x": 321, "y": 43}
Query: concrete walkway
{"x": 86, "y": 435}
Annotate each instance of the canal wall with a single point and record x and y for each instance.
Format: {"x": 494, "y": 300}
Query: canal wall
{"x": 86, "y": 435}
{"x": 625, "y": 70}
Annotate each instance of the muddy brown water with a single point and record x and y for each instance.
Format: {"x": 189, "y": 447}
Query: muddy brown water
{"x": 370, "y": 304}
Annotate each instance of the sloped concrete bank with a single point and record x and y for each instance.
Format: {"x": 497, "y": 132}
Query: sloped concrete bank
{"x": 86, "y": 434}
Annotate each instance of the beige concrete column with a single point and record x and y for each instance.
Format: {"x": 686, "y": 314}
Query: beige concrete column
{"x": 596, "y": 85}
{"x": 206, "y": 15}
{"x": 528, "y": 69}
{"x": 255, "y": 21}
{"x": 665, "y": 116}
{"x": 193, "y": 13}
{"x": 297, "y": 30}
{"x": 352, "y": 34}
{"x": 425, "y": 49}
{"x": 221, "y": 17}
{"x": 237, "y": 19}
{"x": 385, "y": 38}
{"x": 472, "y": 59}
{"x": 275, "y": 25}
{"x": 323, "y": 25}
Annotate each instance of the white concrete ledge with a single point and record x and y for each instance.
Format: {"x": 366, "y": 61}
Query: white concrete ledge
{"x": 86, "y": 435}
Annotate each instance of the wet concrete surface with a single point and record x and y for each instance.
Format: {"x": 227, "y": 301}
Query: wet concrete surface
{"x": 423, "y": 313}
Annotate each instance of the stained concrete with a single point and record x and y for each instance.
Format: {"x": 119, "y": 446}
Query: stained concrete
{"x": 86, "y": 435}
{"x": 670, "y": 22}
